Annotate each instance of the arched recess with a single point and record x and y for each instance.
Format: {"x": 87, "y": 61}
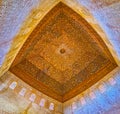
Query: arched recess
{"x": 34, "y": 18}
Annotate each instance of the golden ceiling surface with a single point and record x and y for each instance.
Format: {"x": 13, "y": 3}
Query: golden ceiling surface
{"x": 63, "y": 56}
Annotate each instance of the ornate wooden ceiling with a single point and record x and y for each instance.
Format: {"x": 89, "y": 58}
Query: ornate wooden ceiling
{"x": 63, "y": 56}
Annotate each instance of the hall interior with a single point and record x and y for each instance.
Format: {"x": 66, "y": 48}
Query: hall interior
{"x": 59, "y": 56}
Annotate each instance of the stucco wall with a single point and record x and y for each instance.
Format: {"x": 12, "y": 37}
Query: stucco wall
{"x": 11, "y": 101}
{"x": 102, "y": 98}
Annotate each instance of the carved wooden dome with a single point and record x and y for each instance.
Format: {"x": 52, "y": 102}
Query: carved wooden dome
{"x": 63, "y": 56}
